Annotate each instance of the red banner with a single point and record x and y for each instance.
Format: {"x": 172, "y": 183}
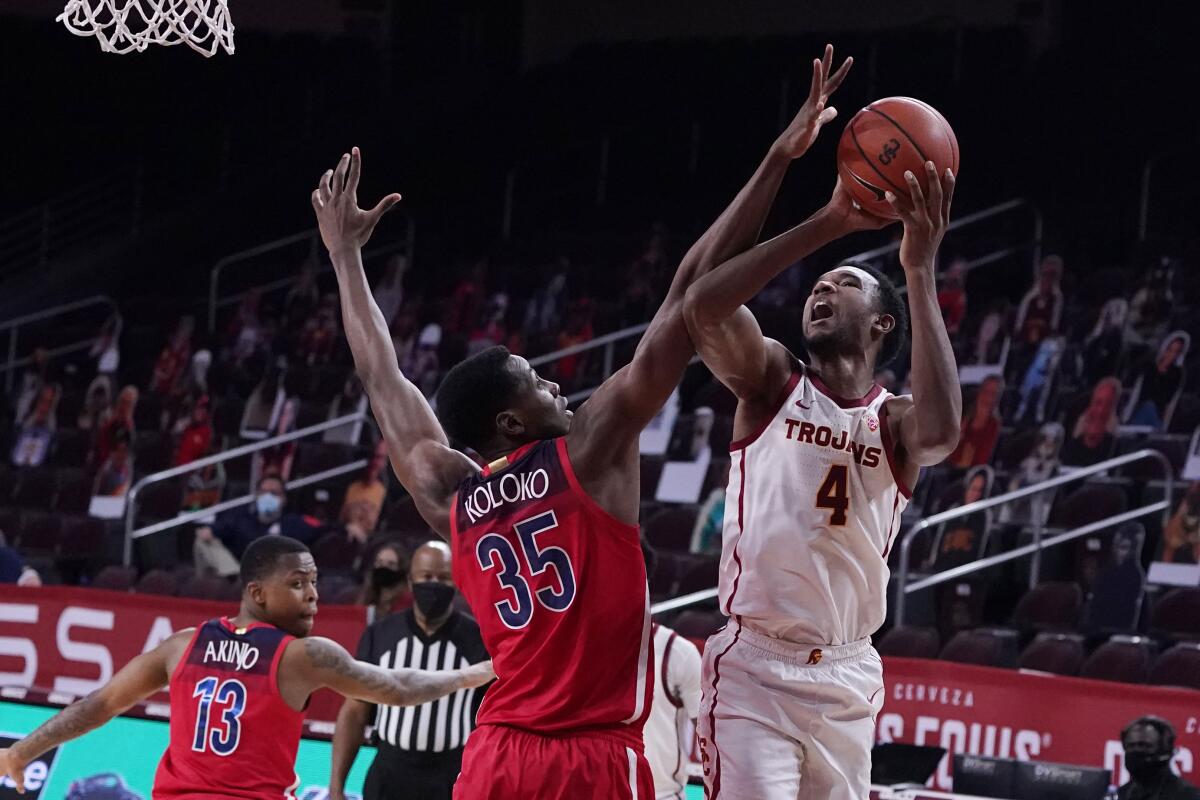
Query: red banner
{"x": 70, "y": 641}
{"x": 1027, "y": 716}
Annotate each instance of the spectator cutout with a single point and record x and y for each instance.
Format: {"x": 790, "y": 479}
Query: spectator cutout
{"x": 980, "y": 426}
{"x": 1159, "y": 382}
{"x": 1039, "y": 465}
{"x": 1094, "y": 431}
{"x": 35, "y": 433}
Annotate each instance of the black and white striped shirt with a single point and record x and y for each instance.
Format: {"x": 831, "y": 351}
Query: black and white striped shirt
{"x": 397, "y": 641}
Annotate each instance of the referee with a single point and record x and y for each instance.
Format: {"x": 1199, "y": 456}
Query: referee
{"x": 420, "y": 747}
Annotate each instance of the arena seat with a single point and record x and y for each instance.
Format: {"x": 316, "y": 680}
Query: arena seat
{"x": 159, "y": 501}
{"x": 206, "y": 587}
{"x": 115, "y": 578}
{"x": 671, "y": 529}
{"x": 41, "y": 533}
{"x": 73, "y": 490}
{"x": 1050, "y": 606}
{"x": 1177, "y": 614}
{"x": 1121, "y": 658}
{"x": 151, "y": 452}
{"x": 1087, "y": 504}
{"x": 702, "y": 574}
{"x": 158, "y": 581}
{"x": 910, "y": 642}
{"x": 83, "y": 536}
{"x": 989, "y": 647}
{"x": 35, "y": 488}
{"x": 10, "y": 524}
{"x": 71, "y": 447}
{"x": 1058, "y": 653}
{"x": 1179, "y": 666}
{"x": 698, "y": 624}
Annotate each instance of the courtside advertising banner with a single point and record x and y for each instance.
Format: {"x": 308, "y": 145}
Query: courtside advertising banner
{"x": 1027, "y": 716}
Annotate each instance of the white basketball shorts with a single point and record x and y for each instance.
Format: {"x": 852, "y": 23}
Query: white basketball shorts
{"x": 781, "y": 721}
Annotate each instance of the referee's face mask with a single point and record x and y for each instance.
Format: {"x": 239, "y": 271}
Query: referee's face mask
{"x": 431, "y": 580}
{"x": 433, "y": 598}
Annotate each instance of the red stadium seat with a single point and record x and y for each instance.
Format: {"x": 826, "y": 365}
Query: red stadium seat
{"x": 1177, "y": 615}
{"x": 1052, "y": 606}
{"x": 990, "y": 647}
{"x": 1058, "y": 653}
{"x": 157, "y": 581}
{"x": 116, "y": 578}
{"x": 1179, "y": 666}
{"x": 1121, "y": 658}
{"x": 906, "y": 642}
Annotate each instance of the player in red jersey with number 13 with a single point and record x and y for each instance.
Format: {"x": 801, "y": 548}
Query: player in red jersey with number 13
{"x": 239, "y": 688}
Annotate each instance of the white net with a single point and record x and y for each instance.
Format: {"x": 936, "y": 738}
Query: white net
{"x": 123, "y": 26}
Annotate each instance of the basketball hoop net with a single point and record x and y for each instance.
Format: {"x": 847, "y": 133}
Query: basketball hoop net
{"x": 123, "y": 26}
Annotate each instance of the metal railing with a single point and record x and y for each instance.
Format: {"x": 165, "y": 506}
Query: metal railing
{"x": 103, "y": 207}
{"x": 13, "y": 326}
{"x": 610, "y": 340}
{"x": 131, "y": 499}
{"x": 1035, "y": 548}
{"x": 902, "y": 586}
{"x": 312, "y": 238}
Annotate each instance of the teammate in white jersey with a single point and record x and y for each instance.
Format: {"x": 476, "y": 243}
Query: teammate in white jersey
{"x": 822, "y": 465}
{"x": 670, "y": 726}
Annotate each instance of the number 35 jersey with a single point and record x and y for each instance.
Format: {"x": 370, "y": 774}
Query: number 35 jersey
{"x": 559, "y": 588}
{"x": 232, "y": 733}
{"x": 813, "y": 504}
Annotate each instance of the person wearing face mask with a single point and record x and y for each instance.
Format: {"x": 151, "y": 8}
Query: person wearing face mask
{"x": 219, "y": 547}
{"x": 1149, "y": 744}
{"x": 419, "y": 748}
{"x": 385, "y": 587}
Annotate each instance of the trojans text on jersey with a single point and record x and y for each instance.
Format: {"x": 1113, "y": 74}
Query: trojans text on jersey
{"x": 824, "y": 436}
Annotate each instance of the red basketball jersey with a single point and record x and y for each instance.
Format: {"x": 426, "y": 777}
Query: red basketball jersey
{"x": 232, "y": 733}
{"x": 559, "y": 588}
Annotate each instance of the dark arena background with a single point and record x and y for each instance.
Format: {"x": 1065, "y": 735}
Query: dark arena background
{"x": 170, "y": 333}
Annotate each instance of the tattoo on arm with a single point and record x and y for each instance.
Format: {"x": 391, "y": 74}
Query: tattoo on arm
{"x": 362, "y": 681}
{"x": 72, "y": 722}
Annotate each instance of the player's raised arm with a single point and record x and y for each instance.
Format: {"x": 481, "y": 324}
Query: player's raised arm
{"x": 927, "y": 425}
{"x": 137, "y": 680}
{"x": 616, "y": 414}
{"x": 420, "y": 453}
{"x": 726, "y": 333}
{"x": 315, "y": 663}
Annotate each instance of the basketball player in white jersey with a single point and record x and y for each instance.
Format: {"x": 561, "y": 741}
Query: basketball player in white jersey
{"x": 669, "y": 728}
{"x": 823, "y": 461}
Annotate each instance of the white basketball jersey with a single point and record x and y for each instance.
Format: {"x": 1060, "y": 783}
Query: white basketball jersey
{"x": 813, "y": 503}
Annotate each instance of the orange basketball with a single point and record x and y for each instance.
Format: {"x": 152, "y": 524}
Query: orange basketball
{"x": 887, "y": 138}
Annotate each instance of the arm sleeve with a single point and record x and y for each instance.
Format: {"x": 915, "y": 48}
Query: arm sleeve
{"x": 685, "y": 674}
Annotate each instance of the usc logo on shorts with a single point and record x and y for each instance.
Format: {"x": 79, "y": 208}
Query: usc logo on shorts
{"x": 703, "y": 752}
{"x": 814, "y": 657}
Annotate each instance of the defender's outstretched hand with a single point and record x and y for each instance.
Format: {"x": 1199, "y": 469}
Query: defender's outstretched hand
{"x": 343, "y": 224}
{"x": 803, "y": 130}
{"x": 925, "y": 218}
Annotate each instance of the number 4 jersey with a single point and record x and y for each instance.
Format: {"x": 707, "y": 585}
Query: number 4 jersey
{"x": 559, "y": 588}
{"x": 811, "y": 510}
{"x": 232, "y": 733}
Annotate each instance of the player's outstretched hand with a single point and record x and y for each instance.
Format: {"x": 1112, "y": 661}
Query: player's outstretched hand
{"x": 802, "y": 132}
{"x": 10, "y": 767}
{"x": 925, "y": 218}
{"x": 343, "y": 224}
